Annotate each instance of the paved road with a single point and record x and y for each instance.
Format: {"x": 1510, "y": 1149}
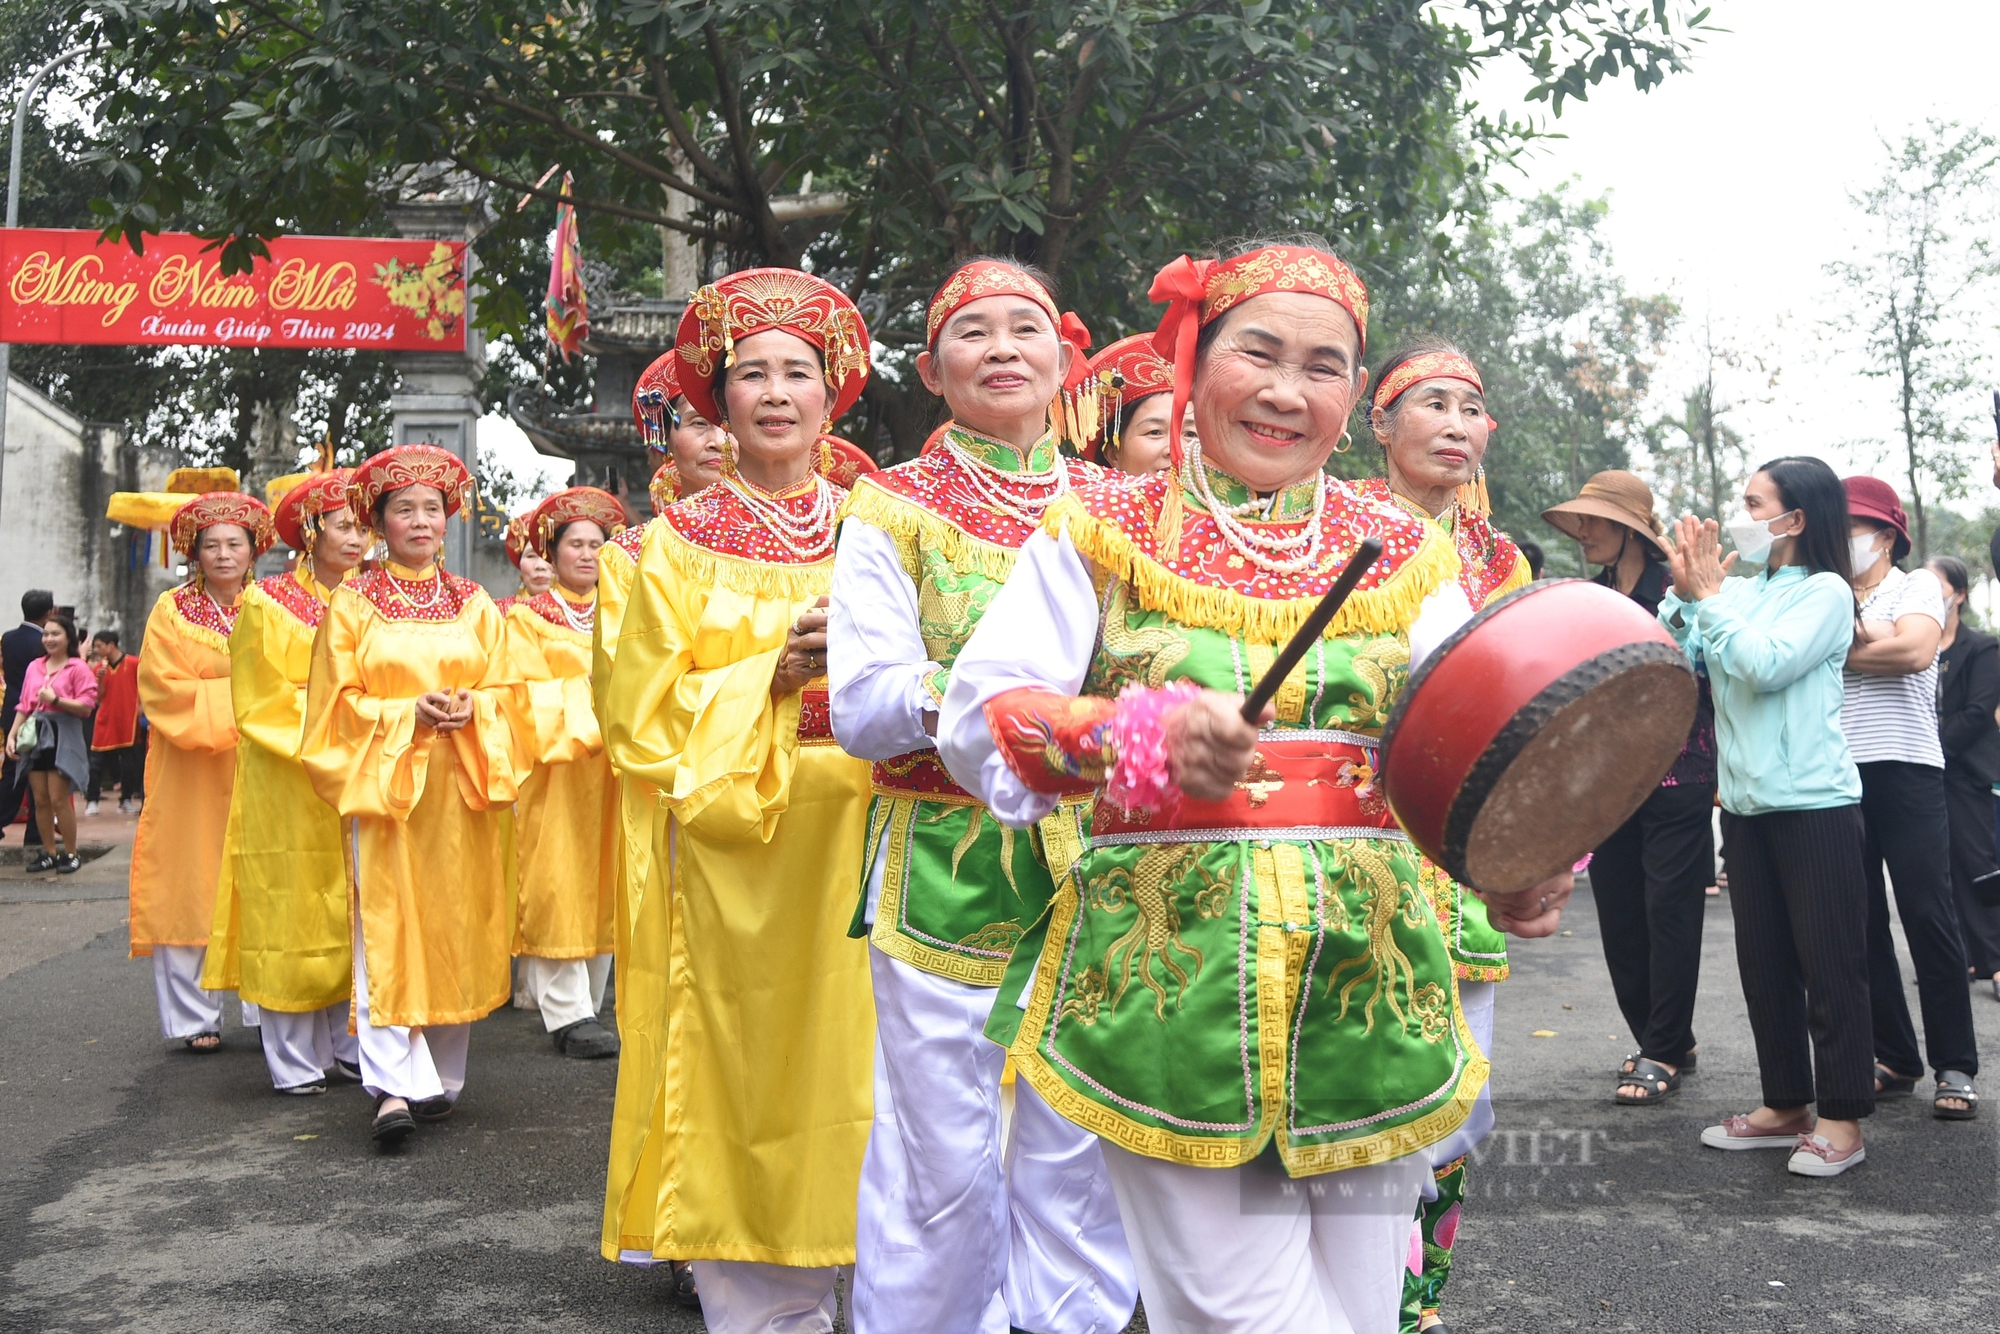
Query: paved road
{"x": 143, "y": 1188}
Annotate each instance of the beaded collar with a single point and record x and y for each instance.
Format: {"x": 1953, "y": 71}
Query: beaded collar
{"x": 290, "y": 592}
{"x": 936, "y": 483}
{"x": 402, "y": 594}
{"x": 545, "y": 605}
{"x": 200, "y": 610}
{"x": 1293, "y": 503}
{"x": 717, "y": 520}
{"x": 1488, "y": 559}
{"x": 632, "y": 540}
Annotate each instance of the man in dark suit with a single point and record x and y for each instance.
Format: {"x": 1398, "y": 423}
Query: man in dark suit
{"x": 19, "y": 647}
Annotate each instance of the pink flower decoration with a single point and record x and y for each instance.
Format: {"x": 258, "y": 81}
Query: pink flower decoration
{"x": 1446, "y": 1231}
{"x": 1141, "y": 779}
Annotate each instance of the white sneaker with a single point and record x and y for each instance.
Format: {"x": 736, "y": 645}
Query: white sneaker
{"x": 124, "y": 806}
{"x": 90, "y": 808}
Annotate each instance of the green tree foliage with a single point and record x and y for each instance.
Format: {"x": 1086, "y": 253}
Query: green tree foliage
{"x": 1931, "y": 213}
{"x": 875, "y": 140}
{"x": 1566, "y": 352}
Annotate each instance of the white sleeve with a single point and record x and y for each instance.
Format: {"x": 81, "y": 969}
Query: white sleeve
{"x": 1438, "y": 618}
{"x": 876, "y": 661}
{"x": 1039, "y": 632}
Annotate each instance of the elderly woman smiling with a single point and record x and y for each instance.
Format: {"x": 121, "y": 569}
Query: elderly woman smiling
{"x": 1245, "y": 952}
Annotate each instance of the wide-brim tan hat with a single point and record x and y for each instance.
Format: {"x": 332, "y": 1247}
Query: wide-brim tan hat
{"x": 1617, "y": 495}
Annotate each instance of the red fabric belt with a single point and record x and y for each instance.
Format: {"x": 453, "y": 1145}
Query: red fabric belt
{"x": 815, "y": 714}
{"x": 918, "y": 773}
{"x": 1313, "y": 782}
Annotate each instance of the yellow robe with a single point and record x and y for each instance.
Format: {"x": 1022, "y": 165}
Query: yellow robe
{"x": 281, "y": 936}
{"x": 431, "y": 834}
{"x": 632, "y": 1182}
{"x": 769, "y": 1021}
{"x": 567, "y": 814}
{"x": 190, "y": 769}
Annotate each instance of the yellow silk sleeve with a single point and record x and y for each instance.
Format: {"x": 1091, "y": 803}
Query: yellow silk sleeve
{"x": 615, "y": 572}
{"x": 555, "y": 686}
{"x": 493, "y": 749}
{"x": 364, "y": 753}
{"x": 270, "y": 655}
{"x": 689, "y": 706}
{"x": 184, "y": 682}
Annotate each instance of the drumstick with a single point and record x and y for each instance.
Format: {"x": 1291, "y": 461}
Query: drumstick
{"x": 1288, "y": 657}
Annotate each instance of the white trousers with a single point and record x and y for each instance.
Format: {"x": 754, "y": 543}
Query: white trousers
{"x": 300, "y": 1047}
{"x": 747, "y": 1297}
{"x": 566, "y": 991}
{"x": 1477, "y": 1000}
{"x": 412, "y": 1063}
{"x": 957, "y": 1233}
{"x": 185, "y": 1009}
{"x": 1248, "y": 1250}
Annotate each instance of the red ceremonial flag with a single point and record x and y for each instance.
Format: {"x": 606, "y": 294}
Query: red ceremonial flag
{"x": 568, "y": 306}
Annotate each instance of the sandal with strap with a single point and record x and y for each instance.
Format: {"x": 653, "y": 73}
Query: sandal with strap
{"x": 1687, "y": 1064}
{"x": 684, "y": 1292}
{"x": 1955, "y": 1084}
{"x": 1654, "y": 1083}
{"x": 1888, "y": 1082}
{"x": 205, "y": 1043}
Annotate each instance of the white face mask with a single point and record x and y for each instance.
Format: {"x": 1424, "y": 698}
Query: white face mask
{"x": 1753, "y": 537}
{"x": 1863, "y": 552}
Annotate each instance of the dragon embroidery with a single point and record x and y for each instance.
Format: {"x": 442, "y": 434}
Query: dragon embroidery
{"x": 1384, "y": 898}
{"x": 1151, "y": 886}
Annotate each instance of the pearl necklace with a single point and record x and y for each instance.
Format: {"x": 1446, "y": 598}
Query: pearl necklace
{"x": 227, "y": 615}
{"x": 1273, "y": 553}
{"x": 583, "y": 625}
{"x": 436, "y": 582}
{"x": 998, "y": 489}
{"x": 809, "y": 538}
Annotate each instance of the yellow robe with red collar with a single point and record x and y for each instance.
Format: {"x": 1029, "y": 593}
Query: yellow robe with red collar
{"x": 281, "y": 936}
{"x": 427, "y": 813}
{"x": 190, "y": 770}
{"x": 567, "y": 815}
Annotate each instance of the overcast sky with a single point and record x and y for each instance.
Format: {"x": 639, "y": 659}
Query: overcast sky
{"x": 1729, "y": 189}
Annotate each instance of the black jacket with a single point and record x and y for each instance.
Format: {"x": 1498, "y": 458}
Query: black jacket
{"x": 1968, "y": 693}
{"x": 18, "y": 647}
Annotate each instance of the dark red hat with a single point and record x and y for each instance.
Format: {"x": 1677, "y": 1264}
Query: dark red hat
{"x": 1873, "y": 498}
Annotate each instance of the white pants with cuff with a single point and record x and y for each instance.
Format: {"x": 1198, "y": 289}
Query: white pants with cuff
{"x": 301, "y": 1046}
{"x": 1476, "y": 998}
{"x": 747, "y": 1297}
{"x": 958, "y": 1233}
{"x": 1248, "y": 1250}
{"x": 566, "y": 991}
{"x": 398, "y": 1062}
{"x": 186, "y": 1010}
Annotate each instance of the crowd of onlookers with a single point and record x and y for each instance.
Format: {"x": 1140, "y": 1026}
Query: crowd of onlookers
{"x": 71, "y": 720}
{"x": 1847, "y": 732}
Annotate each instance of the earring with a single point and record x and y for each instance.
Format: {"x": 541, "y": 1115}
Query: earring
{"x": 1346, "y": 442}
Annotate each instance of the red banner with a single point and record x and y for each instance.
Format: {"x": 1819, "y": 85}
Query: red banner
{"x": 314, "y": 291}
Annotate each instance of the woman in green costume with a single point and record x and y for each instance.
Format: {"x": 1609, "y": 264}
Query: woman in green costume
{"x": 1242, "y": 982}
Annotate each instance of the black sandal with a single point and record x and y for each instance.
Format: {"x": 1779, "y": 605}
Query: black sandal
{"x": 205, "y": 1043}
{"x": 1955, "y": 1084}
{"x": 1687, "y": 1064}
{"x": 391, "y": 1127}
{"x": 684, "y": 1292}
{"x": 1888, "y": 1083}
{"x": 1658, "y": 1082}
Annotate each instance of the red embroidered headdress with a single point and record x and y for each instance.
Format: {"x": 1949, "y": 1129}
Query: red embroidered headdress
{"x": 568, "y": 506}
{"x": 1200, "y": 291}
{"x": 520, "y": 533}
{"x": 992, "y": 277}
{"x": 1426, "y": 366}
{"x": 1122, "y": 374}
{"x": 246, "y": 512}
{"x": 410, "y": 465}
{"x": 653, "y": 399}
{"x": 758, "y": 299}
{"x": 297, "y": 516}
{"x": 841, "y": 461}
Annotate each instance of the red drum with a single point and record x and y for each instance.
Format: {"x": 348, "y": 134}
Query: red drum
{"x": 1534, "y": 732}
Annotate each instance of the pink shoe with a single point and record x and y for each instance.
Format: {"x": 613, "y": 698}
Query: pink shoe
{"x": 1816, "y": 1157}
{"x": 1736, "y": 1132}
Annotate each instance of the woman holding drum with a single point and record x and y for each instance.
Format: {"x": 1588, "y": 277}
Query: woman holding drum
{"x": 1791, "y": 818}
{"x": 1244, "y": 954}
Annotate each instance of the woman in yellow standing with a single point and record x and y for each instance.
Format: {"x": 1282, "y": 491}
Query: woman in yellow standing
{"x": 191, "y": 760}
{"x": 280, "y": 935}
{"x": 718, "y": 701}
{"x": 691, "y": 448}
{"x": 410, "y": 736}
{"x": 567, "y": 815}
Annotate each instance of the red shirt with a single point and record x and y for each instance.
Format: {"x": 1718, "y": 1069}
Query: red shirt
{"x": 117, "y": 706}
